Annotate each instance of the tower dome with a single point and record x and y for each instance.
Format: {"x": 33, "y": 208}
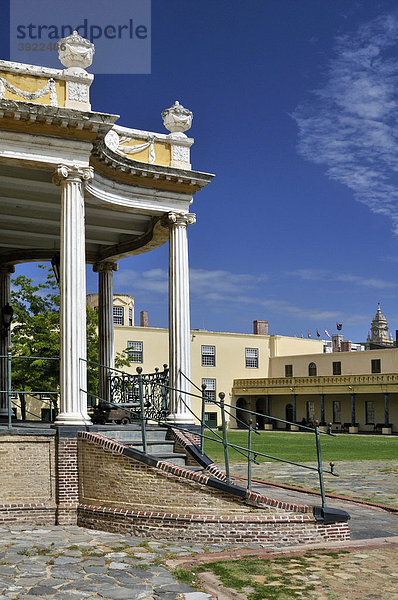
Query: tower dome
{"x": 379, "y": 336}
{"x": 379, "y": 317}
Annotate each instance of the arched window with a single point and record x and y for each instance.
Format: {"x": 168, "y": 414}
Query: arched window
{"x": 312, "y": 370}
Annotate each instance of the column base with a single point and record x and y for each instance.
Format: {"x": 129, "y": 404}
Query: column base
{"x": 294, "y": 428}
{"x": 386, "y": 430}
{"x": 353, "y": 429}
{"x": 4, "y": 416}
{"x": 72, "y": 419}
{"x": 268, "y": 427}
{"x": 324, "y": 428}
{"x": 178, "y": 419}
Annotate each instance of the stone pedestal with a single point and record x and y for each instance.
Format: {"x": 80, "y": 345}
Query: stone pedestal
{"x": 386, "y": 430}
{"x": 179, "y": 321}
{"x": 324, "y": 428}
{"x": 73, "y": 351}
{"x": 353, "y": 429}
{"x": 294, "y": 428}
{"x": 268, "y": 427}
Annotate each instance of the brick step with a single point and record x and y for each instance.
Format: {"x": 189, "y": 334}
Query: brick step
{"x": 174, "y": 457}
{"x": 153, "y": 447}
{"x": 131, "y": 433}
{"x": 157, "y": 446}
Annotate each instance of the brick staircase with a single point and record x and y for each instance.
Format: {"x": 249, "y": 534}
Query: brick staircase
{"x": 158, "y": 447}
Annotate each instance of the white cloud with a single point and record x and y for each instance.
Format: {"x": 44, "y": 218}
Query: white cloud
{"x": 221, "y": 288}
{"x": 323, "y": 275}
{"x": 351, "y": 123}
{"x": 203, "y": 282}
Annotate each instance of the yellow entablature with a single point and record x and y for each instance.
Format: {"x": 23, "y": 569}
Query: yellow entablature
{"x": 25, "y": 87}
{"x": 161, "y": 152}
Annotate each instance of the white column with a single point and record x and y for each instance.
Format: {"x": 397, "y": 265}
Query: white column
{"x": 5, "y": 338}
{"x": 73, "y": 351}
{"x": 105, "y": 325}
{"x": 179, "y": 323}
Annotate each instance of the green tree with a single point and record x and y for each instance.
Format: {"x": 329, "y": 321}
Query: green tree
{"x": 36, "y": 333}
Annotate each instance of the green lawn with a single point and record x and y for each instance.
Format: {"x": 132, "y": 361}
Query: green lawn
{"x": 300, "y": 447}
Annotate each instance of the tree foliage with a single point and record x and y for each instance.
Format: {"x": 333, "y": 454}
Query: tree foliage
{"x": 36, "y": 334}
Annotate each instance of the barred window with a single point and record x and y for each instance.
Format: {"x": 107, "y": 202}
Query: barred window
{"x": 370, "y": 412}
{"x": 208, "y": 356}
{"x": 251, "y": 358}
{"x": 288, "y": 370}
{"x": 336, "y": 411}
{"x": 118, "y": 315}
{"x": 336, "y": 368}
{"x": 130, "y": 317}
{"x": 312, "y": 370}
{"x": 310, "y": 411}
{"x": 135, "y": 351}
{"x": 210, "y": 391}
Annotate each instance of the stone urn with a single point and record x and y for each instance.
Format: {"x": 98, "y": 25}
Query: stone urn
{"x": 75, "y": 52}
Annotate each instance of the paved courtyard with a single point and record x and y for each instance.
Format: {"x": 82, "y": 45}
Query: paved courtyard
{"x": 375, "y": 480}
{"x": 72, "y": 563}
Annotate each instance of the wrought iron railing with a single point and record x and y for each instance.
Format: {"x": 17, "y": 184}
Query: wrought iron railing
{"x": 152, "y": 388}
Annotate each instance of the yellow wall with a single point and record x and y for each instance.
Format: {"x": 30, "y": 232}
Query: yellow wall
{"x": 283, "y": 345}
{"x": 28, "y": 83}
{"x": 352, "y": 363}
{"x": 230, "y": 354}
{"x": 162, "y": 152}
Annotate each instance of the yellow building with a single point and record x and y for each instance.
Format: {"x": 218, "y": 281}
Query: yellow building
{"x": 287, "y": 377}
{"x": 216, "y": 357}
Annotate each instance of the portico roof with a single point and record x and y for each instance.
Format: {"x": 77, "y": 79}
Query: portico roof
{"x": 139, "y": 176}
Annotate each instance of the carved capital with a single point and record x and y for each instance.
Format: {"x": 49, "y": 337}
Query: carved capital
{"x": 179, "y": 219}
{"x": 76, "y": 173}
{"x": 105, "y": 267}
{"x": 8, "y": 269}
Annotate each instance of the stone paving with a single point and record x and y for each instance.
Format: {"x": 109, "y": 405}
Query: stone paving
{"x": 72, "y": 563}
{"x": 356, "y": 574}
{"x": 375, "y": 480}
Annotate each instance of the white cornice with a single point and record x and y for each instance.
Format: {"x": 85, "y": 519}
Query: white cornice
{"x": 17, "y": 68}
{"x": 51, "y": 115}
{"x": 157, "y": 137}
{"x": 147, "y": 200}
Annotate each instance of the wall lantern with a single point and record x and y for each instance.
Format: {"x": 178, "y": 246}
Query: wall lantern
{"x": 56, "y": 268}
{"x": 7, "y": 313}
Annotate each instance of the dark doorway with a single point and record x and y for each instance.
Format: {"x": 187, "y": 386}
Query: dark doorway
{"x": 241, "y": 415}
{"x": 289, "y": 414}
{"x": 260, "y": 408}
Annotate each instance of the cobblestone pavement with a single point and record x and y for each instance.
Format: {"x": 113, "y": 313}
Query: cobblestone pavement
{"x": 72, "y": 563}
{"x": 375, "y": 480}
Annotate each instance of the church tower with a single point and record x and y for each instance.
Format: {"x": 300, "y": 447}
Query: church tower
{"x": 379, "y": 337}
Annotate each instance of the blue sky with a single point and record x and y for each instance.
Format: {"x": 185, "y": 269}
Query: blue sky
{"x": 295, "y": 111}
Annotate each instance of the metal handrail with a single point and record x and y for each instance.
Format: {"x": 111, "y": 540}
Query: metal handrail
{"x": 319, "y": 468}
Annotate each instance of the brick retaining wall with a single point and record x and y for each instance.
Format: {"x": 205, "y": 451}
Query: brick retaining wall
{"x": 27, "y": 479}
{"x": 164, "y": 501}
{"x": 204, "y": 529}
